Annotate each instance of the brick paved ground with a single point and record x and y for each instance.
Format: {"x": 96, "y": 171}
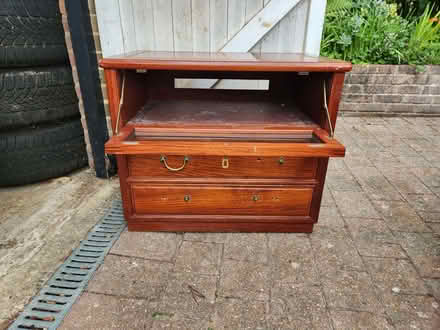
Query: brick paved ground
{"x": 372, "y": 262}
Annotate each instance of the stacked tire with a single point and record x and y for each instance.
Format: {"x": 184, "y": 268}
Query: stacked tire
{"x": 41, "y": 135}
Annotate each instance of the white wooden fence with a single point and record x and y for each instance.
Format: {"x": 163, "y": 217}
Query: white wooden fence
{"x": 211, "y": 25}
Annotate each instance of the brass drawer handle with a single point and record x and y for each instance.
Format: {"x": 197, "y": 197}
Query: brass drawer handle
{"x": 187, "y": 198}
{"x": 163, "y": 159}
{"x": 281, "y": 161}
{"x": 255, "y": 198}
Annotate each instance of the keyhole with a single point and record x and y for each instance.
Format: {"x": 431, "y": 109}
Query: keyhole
{"x": 225, "y": 163}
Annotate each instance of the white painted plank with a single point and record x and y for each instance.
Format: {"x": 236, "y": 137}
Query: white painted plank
{"x": 236, "y": 16}
{"x": 127, "y": 22}
{"x": 301, "y": 17}
{"x": 218, "y": 24}
{"x": 109, "y": 24}
{"x": 182, "y": 27}
{"x": 252, "y": 8}
{"x": 144, "y": 24}
{"x": 286, "y": 31}
{"x": 261, "y": 24}
{"x": 315, "y": 24}
{"x": 163, "y": 25}
{"x": 200, "y": 25}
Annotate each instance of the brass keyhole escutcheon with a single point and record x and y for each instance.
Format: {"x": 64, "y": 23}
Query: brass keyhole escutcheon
{"x": 281, "y": 161}
{"x": 255, "y": 198}
{"x": 225, "y": 162}
{"x": 187, "y": 198}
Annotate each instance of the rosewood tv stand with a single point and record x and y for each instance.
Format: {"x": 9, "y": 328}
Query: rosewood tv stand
{"x": 221, "y": 160}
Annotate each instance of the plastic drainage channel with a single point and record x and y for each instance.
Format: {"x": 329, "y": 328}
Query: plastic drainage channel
{"x": 48, "y": 309}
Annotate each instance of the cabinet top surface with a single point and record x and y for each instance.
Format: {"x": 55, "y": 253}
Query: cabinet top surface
{"x": 205, "y": 61}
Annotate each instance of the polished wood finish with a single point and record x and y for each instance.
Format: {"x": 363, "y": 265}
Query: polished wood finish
{"x": 326, "y": 147}
{"x": 200, "y": 61}
{"x": 256, "y": 160}
{"x": 191, "y": 226}
{"x": 215, "y": 166}
{"x": 204, "y": 200}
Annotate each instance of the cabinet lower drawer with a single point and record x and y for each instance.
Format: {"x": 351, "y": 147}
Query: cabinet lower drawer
{"x": 216, "y": 166}
{"x": 217, "y": 200}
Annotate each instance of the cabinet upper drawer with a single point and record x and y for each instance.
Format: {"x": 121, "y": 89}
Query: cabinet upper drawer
{"x": 159, "y": 199}
{"x": 216, "y": 166}
{"x": 291, "y": 143}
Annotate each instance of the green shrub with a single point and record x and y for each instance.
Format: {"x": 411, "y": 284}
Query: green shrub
{"x": 368, "y": 31}
{"x": 424, "y": 42}
{"x": 371, "y": 31}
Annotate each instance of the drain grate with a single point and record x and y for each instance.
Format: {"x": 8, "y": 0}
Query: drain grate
{"x": 48, "y": 309}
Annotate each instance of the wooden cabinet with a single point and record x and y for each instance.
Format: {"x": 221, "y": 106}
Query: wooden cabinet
{"x": 223, "y": 160}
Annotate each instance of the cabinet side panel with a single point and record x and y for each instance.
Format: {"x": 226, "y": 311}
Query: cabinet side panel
{"x": 125, "y": 191}
{"x": 113, "y": 80}
{"x": 337, "y": 84}
{"x": 317, "y": 193}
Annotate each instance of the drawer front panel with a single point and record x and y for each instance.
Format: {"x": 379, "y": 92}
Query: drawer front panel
{"x": 151, "y": 199}
{"x": 214, "y": 166}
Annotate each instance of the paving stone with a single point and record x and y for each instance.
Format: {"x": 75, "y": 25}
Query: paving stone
{"x": 160, "y": 246}
{"x": 292, "y": 260}
{"x": 432, "y": 157}
{"x": 355, "y": 204}
{"x": 239, "y": 314}
{"x": 390, "y": 140}
{"x": 188, "y": 302}
{"x": 404, "y": 181}
{"x": 354, "y": 320}
{"x": 375, "y": 184}
{"x": 241, "y": 279}
{"x": 435, "y": 190}
{"x": 97, "y": 311}
{"x": 429, "y": 176}
{"x": 412, "y": 312}
{"x": 334, "y": 250}
{"x": 424, "y": 202}
{"x": 402, "y": 148}
{"x": 246, "y": 247}
{"x": 297, "y": 307}
{"x": 384, "y": 160}
{"x": 424, "y": 251}
{"x": 357, "y": 159}
{"x": 206, "y": 237}
{"x": 336, "y": 164}
{"x": 350, "y": 290}
{"x": 399, "y": 216}
{"x": 429, "y": 216}
{"x": 419, "y": 144}
{"x": 327, "y": 198}
{"x": 395, "y": 275}
{"x": 330, "y": 217}
{"x": 199, "y": 257}
{"x": 434, "y": 285}
{"x": 413, "y": 161}
{"x": 373, "y": 238}
{"x": 435, "y": 227}
{"x": 342, "y": 181}
{"x": 130, "y": 277}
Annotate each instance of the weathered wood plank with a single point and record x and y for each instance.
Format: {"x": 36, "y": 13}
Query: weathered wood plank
{"x": 200, "y": 25}
{"x": 128, "y": 27}
{"x": 144, "y": 24}
{"x": 163, "y": 25}
{"x": 314, "y": 26}
{"x": 109, "y": 24}
{"x": 259, "y": 26}
{"x": 236, "y": 16}
{"x": 182, "y": 28}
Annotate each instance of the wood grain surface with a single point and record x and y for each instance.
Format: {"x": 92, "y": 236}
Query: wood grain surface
{"x": 221, "y": 200}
